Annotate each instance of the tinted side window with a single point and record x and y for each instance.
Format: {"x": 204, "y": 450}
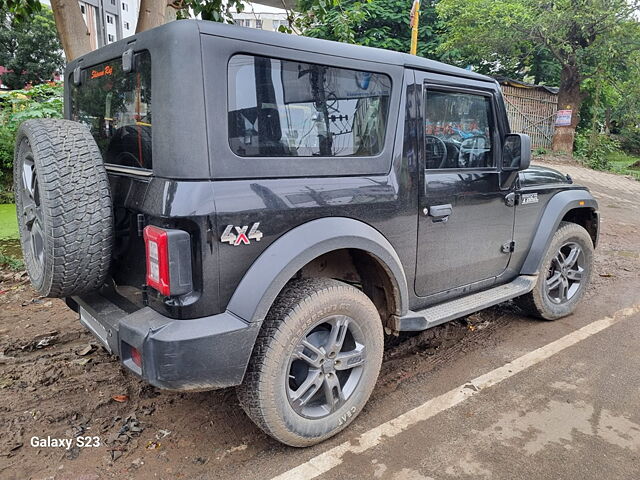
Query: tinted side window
{"x": 458, "y": 130}
{"x": 286, "y": 108}
{"x": 116, "y": 106}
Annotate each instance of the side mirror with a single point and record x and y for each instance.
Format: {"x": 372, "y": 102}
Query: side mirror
{"x": 516, "y": 152}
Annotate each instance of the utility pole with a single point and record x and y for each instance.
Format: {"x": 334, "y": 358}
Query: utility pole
{"x": 415, "y": 20}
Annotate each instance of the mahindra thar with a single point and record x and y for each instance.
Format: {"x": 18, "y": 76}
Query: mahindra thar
{"x": 227, "y": 207}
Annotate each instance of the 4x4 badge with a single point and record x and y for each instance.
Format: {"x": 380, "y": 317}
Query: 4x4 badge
{"x": 241, "y": 235}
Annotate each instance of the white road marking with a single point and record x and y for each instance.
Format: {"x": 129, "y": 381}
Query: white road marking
{"x": 324, "y": 462}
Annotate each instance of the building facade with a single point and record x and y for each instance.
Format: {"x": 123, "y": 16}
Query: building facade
{"x": 109, "y": 20}
{"x": 261, "y": 17}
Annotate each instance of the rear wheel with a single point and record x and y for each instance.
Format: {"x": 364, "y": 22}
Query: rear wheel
{"x": 564, "y": 275}
{"x": 315, "y": 362}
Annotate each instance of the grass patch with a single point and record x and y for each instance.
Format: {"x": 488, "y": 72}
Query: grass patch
{"x": 624, "y": 164}
{"x": 10, "y": 251}
{"x": 11, "y": 263}
{"x": 8, "y": 221}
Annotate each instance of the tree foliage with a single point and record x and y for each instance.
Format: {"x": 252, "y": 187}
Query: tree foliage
{"x": 581, "y": 37}
{"x": 42, "y": 101}
{"x": 213, "y": 10}
{"x": 22, "y": 9}
{"x": 580, "y": 32}
{"x": 29, "y": 49}
{"x": 374, "y": 23}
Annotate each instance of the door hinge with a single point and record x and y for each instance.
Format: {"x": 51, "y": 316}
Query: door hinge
{"x": 508, "y": 247}
{"x": 140, "y": 221}
{"x": 145, "y": 295}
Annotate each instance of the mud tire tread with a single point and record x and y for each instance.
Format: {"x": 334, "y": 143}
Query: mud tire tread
{"x": 534, "y": 303}
{"x": 256, "y": 393}
{"x": 76, "y": 206}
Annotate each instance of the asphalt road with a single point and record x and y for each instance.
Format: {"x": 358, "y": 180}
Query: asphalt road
{"x": 573, "y": 415}
{"x": 534, "y": 400}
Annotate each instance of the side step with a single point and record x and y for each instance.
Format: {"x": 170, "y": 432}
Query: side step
{"x": 438, "y": 314}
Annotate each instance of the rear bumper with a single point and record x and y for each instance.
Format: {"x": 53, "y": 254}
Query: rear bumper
{"x": 201, "y": 354}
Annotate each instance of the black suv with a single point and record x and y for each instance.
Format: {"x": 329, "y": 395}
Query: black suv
{"x": 230, "y": 207}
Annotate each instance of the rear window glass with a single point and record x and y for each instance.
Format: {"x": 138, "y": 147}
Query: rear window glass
{"x": 117, "y": 108}
{"x": 286, "y": 108}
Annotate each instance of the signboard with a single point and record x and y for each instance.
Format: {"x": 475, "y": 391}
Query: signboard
{"x": 563, "y": 118}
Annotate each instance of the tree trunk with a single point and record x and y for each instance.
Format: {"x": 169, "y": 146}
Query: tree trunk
{"x": 72, "y": 30}
{"x": 170, "y": 13}
{"x": 154, "y": 13}
{"x": 595, "y": 112}
{"x": 607, "y": 121}
{"x": 569, "y": 98}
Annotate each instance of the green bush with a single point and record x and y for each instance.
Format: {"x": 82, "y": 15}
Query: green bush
{"x": 42, "y": 101}
{"x": 625, "y": 164}
{"x": 630, "y": 141}
{"x": 595, "y": 150}
{"x": 540, "y": 151}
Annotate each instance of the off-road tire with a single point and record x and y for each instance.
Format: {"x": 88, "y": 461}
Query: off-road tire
{"x": 70, "y": 188}
{"x": 263, "y": 395}
{"x": 537, "y": 303}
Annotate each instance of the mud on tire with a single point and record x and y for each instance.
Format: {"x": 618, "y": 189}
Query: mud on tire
{"x": 298, "y": 314}
{"x": 64, "y": 208}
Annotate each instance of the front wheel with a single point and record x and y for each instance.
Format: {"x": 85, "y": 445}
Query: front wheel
{"x": 564, "y": 274}
{"x": 315, "y": 362}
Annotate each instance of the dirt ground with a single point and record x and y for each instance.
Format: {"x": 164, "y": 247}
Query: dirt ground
{"x": 56, "y": 381}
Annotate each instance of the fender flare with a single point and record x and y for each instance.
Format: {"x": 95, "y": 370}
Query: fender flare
{"x": 271, "y": 271}
{"x": 553, "y": 214}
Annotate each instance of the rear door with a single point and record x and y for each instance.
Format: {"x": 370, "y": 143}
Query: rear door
{"x": 465, "y": 225}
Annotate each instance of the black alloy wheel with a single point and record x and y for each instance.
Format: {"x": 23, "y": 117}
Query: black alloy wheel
{"x": 31, "y": 210}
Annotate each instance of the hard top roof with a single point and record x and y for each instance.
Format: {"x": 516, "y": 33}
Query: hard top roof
{"x": 334, "y": 48}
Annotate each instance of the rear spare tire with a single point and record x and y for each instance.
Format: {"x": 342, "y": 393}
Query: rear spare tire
{"x": 63, "y": 205}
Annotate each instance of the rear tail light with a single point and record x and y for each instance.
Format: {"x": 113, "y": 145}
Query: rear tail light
{"x": 157, "y": 246}
{"x": 136, "y": 356}
{"x": 168, "y": 260}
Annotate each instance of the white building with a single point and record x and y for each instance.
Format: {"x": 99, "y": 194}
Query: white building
{"x": 129, "y": 16}
{"x": 108, "y": 20}
{"x": 261, "y": 16}
{"x": 112, "y": 20}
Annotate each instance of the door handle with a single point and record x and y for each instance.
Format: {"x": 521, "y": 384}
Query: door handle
{"x": 439, "y": 213}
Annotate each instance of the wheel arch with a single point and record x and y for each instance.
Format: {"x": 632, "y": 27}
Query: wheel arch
{"x": 301, "y": 247}
{"x": 577, "y": 206}
{"x": 587, "y": 218}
